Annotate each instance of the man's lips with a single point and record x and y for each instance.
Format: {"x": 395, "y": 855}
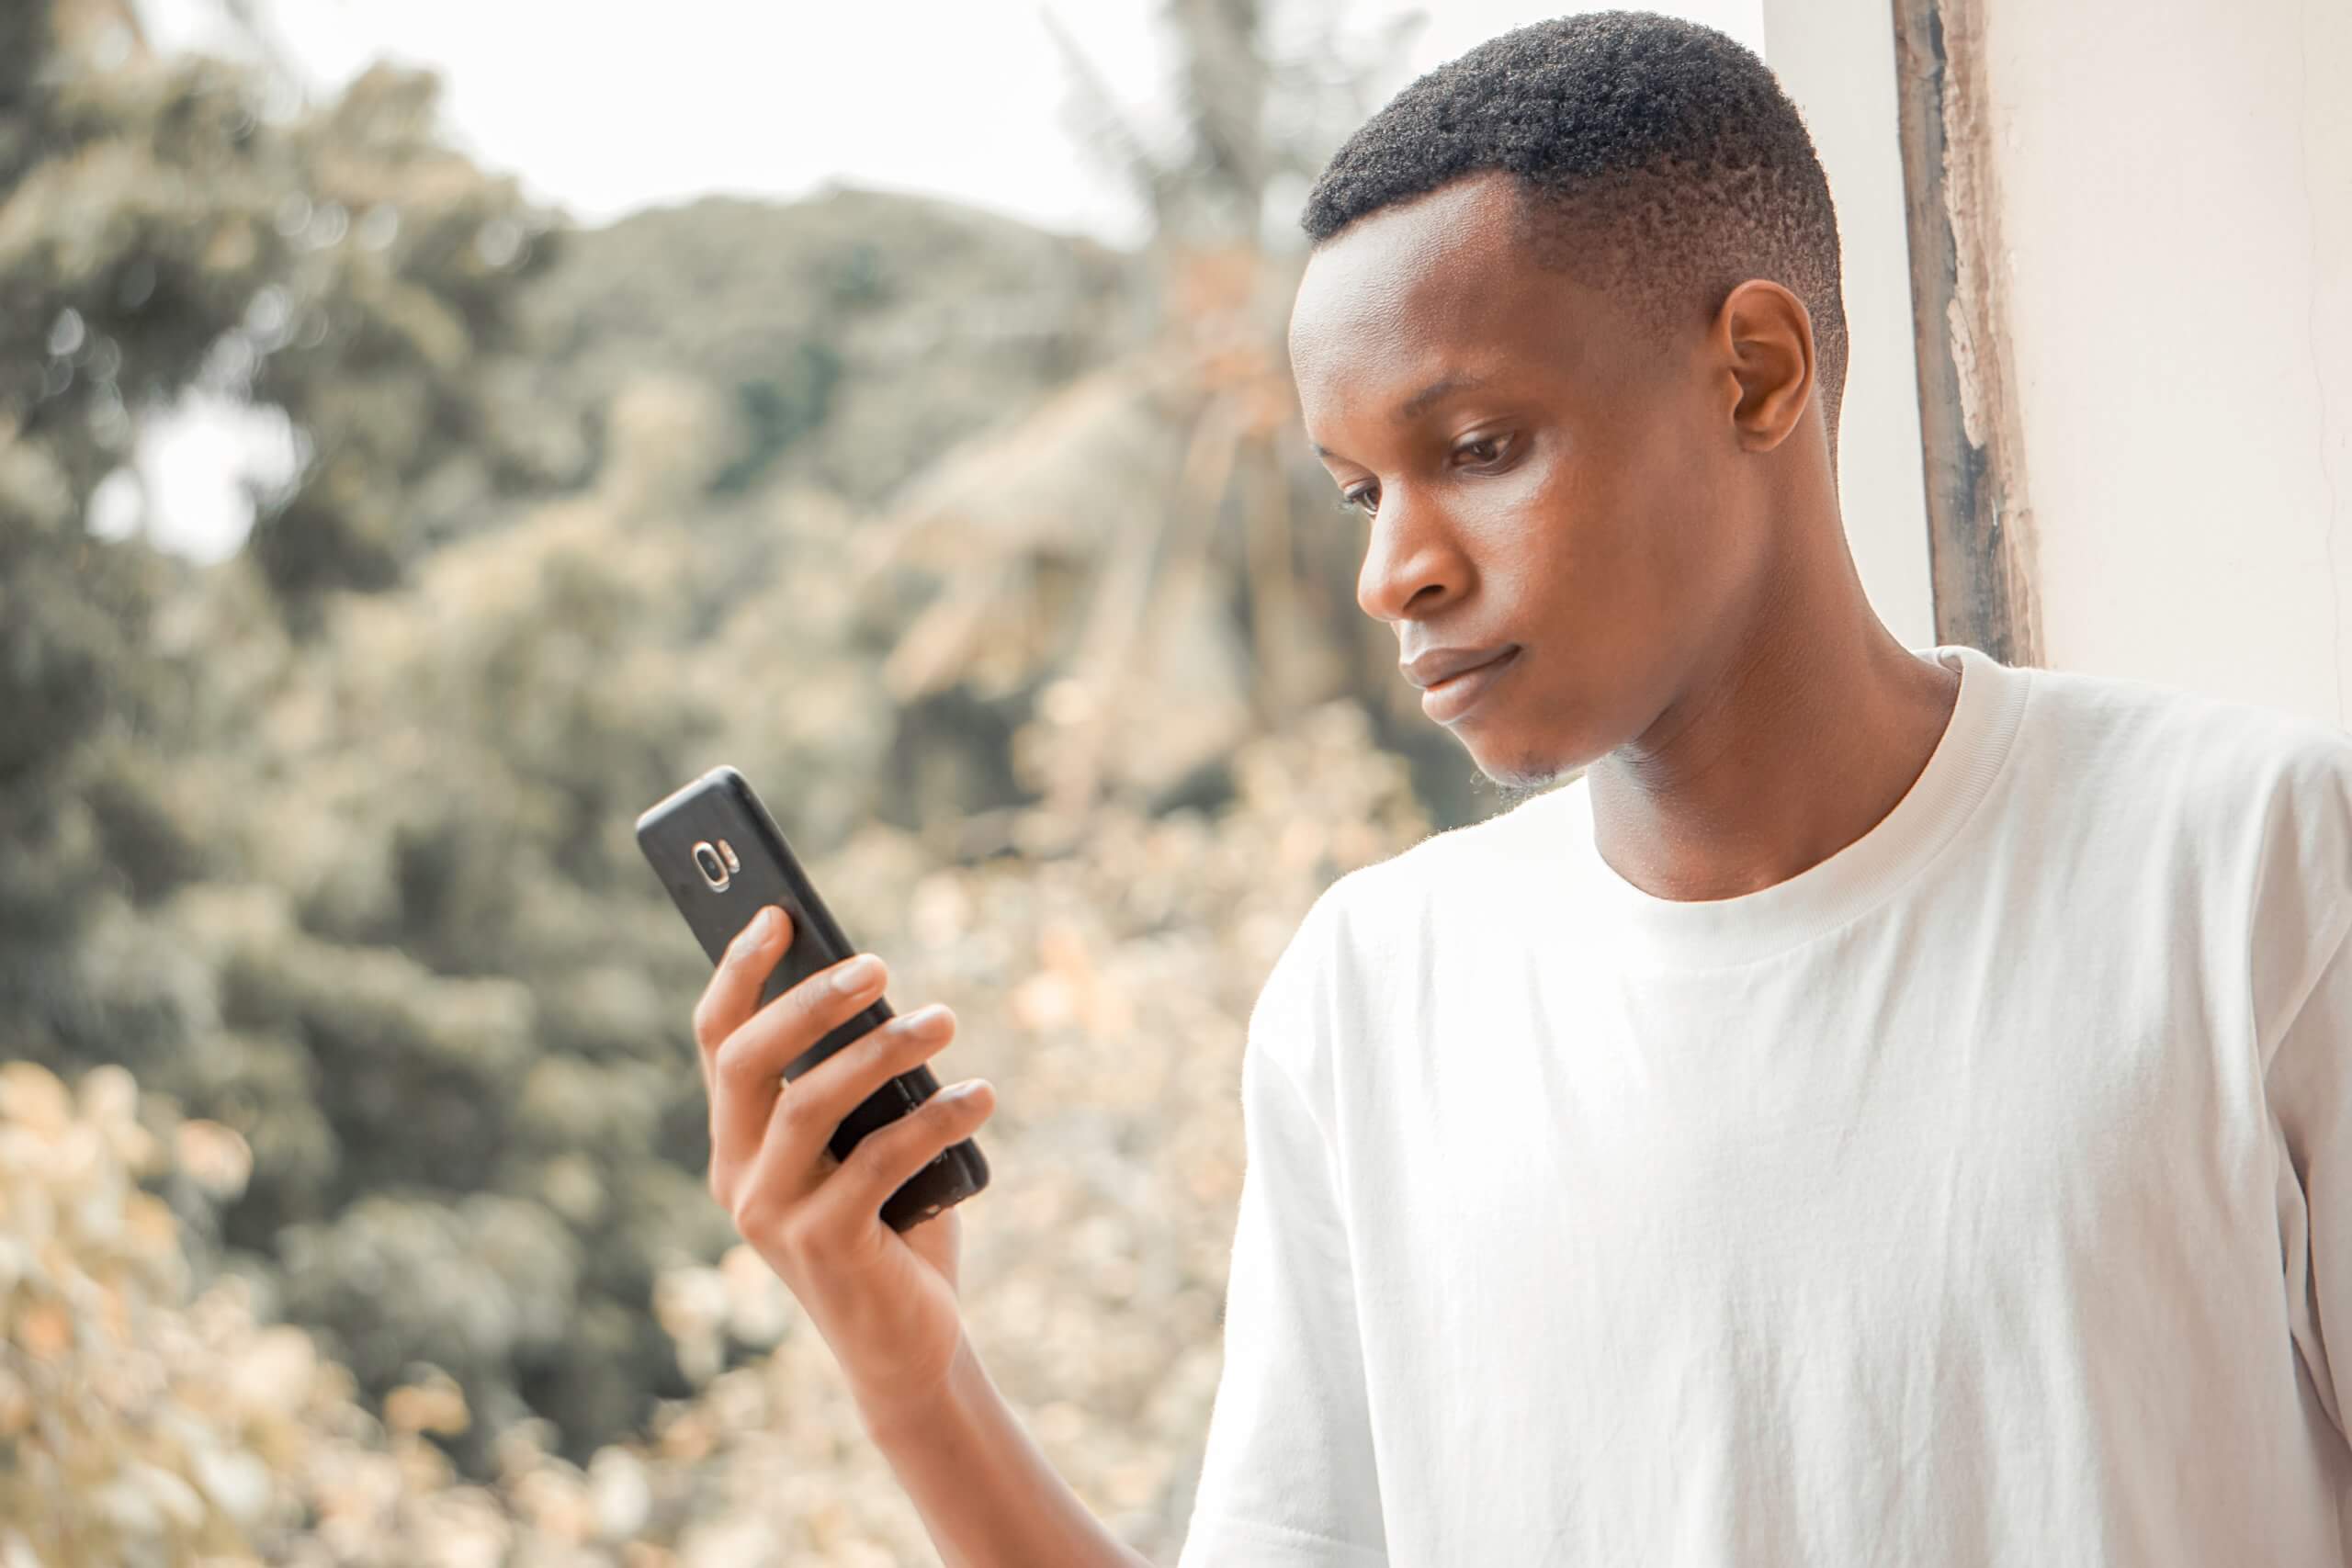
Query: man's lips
{"x": 1452, "y": 699}
{"x": 1436, "y": 665}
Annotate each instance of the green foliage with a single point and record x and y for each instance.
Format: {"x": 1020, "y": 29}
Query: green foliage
{"x": 159, "y": 233}
{"x": 382, "y": 332}
{"x": 329, "y": 844}
{"x": 777, "y": 410}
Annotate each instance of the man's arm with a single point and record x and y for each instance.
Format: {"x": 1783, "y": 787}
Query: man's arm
{"x": 1288, "y": 1479}
{"x": 986, "y": 1492}
{"x": 2300, "y": 971}
{"x": 1288, "y": 1476}
{"x": 2310, "y": 1086}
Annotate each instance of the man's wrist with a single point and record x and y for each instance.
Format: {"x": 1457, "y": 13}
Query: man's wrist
{"x": 986, "y": 1492}
{"x": 929, "y": 1413}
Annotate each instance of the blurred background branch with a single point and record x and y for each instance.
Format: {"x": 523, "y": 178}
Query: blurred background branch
{"x": 990, "y": 552}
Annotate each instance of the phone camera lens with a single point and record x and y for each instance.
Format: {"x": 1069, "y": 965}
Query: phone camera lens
{"x": 714, "y": 870}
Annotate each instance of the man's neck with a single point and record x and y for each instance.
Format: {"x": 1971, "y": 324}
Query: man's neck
{"x": 1801, "y": 737}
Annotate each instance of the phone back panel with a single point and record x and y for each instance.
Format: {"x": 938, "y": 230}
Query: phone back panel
{"x": 720, "y": 809}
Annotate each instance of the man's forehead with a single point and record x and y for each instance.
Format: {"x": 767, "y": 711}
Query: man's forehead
{"x": 1424, "y": 257}
{"x": 1449, "y": 288}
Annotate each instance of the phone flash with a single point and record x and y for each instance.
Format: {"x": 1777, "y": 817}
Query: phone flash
{"x": 728, "y": 851}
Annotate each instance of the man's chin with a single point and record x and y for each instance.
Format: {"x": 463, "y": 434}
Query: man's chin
{"x": 1514, "y": 769}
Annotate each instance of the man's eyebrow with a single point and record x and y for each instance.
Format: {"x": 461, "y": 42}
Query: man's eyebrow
{"x": 1420, "y": 402}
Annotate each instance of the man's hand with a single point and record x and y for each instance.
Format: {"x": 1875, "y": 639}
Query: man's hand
{"x": 883, "y": 1301}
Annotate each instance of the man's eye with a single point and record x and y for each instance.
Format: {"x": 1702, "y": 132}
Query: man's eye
{"x": 1365, "y": 499}
{"x": 1485, "y": 450}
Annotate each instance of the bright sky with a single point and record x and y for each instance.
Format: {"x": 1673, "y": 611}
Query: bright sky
{"x": 603, "y": 109}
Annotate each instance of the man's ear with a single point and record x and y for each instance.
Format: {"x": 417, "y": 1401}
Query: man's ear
{"x": 1766, "y": 340}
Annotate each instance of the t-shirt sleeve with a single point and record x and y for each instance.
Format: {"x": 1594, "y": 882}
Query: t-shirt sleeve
{"x": 2301, "y": 972}
{"x": 1287, "y": 1480}
{"x": 2308, "y": 1085}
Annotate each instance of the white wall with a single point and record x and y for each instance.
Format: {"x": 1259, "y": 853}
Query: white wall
{"x": 2176, "y": 193}
{"x": 1835, "y": 58}
{"x": 2173, "y": 185}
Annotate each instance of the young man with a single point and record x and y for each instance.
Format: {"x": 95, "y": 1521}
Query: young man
{"x": 1891, "y": 1108}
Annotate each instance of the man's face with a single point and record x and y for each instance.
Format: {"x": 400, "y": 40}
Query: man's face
{"x": 1570, "y": 492}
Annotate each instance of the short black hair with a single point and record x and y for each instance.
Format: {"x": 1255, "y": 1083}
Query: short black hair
{"x": 1655, "y": 157}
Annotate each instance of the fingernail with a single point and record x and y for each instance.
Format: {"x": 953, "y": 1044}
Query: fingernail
{"x": 964, "y": 1091}
{"x": 857, "y": 973}
{"x": 762, "y": 925}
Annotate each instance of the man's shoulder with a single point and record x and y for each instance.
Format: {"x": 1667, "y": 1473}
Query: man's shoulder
{"x": 2211, "y": 759}
{"x": 1472, "y": 859}
{"x": 2145, "y": 713}
{"x": 1370, "y": 929}
{"x": 2251, "y": 803}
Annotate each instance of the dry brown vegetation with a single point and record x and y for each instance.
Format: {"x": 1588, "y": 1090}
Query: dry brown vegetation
{"x": 152, "y": 1413}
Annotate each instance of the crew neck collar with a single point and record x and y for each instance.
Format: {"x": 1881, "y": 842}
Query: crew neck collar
{"x": 1708, "y": 933}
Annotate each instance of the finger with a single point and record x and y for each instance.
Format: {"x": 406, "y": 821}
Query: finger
{"x": 886, "y": 1158}
{"x": 733, "y": 988}
{"x": 747, "y": 1071}
{"x": 793, "y": 1158}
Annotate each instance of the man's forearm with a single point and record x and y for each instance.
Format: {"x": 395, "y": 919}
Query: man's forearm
{"x": 984, "y": 1489}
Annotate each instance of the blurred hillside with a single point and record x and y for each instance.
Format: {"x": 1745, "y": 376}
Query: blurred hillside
{"x": 854, "y": 337}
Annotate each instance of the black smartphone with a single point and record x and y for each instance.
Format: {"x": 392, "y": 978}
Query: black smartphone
{"x": 723, "y": 859}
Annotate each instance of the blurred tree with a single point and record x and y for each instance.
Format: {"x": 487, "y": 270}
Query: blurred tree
{"x": 1195, "y": 580}
{"x": 159, "y": 234}
{"x": 162, "y": 233}
{"x": 132, "y": 233}
{"x": 386, "y": 339}
{"x": 330, "y": 842}
{"x": 416, "y": 962}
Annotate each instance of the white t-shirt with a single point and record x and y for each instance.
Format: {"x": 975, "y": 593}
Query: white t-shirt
{"x": 1980, "y": 1197}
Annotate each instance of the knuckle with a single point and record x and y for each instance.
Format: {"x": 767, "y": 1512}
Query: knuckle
{"x": 809, "y": 1009}
{"x": 875, "y": 1149}
{"x": 801, "y": 1112}
{"x": 756, "y": 1215}
{"x": 903, "y": 1139}
{"x": 812, "y": 1020}
{"x": 736, "y": 1057}
{"x": 725, "y": 1075}
{"x": 754, "y": 1053}
{"x": 824, "y": 1006}
{"x": 889, "y": 1050}
{"x": 914, "y": 1038}
{"x": 801, "y": 1236}
{"x": 879, "y": 1055}
{"x": 707, "y": 1033}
